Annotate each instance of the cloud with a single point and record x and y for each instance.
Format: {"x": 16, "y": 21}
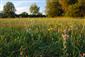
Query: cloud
{"x": 21, "y": 9}
{"x": 1, "y": 7}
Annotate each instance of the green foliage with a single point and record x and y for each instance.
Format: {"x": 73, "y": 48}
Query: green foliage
{"x": 9, "y": 9}
{"x": 72, "y": 8}
{"x": 76, "y": 10}
{"x": 24, "y": 14}
{"x": 72, "y": 1}
{"x": 53, "y": 8}
{"x": 73, "y": 11}
{"x": 42, "y": 38}
{"x": 34, "y": 9}
{"x": 64, "y": 4}
{"x": 1, "y": 15}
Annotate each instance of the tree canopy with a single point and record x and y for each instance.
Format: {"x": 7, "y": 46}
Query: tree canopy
{"x": 53, "y": 8}
{"x": 34, "y": 9}
{"x": 72, "y": 8}
{"x": 9, "y": 9}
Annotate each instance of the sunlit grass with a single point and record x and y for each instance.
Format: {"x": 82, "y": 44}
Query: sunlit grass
{"x": 45, "y": 37}
{"x": 14, "y": 22}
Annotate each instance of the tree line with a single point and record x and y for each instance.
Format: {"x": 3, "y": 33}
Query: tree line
{"x": 9, "y": 11}
{"x": 70, "y": 8}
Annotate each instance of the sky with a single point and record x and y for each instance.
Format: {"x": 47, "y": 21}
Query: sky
{"x": 24, "y": 5}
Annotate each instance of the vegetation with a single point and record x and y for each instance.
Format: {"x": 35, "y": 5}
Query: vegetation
{"x": 72, "y": 8}
{"x": 51, "y": 37}
{"x": 34, "y": 9}
{"x": 53, "y": 8}
{"x": 43, "y": 37}
{"x": 9, "y": 9}
{"x": 23, "y": 14}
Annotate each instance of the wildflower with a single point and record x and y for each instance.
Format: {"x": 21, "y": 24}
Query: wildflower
{"x": 65, "y": 31}
{"x": 50, "y": 29}
{"x": 21, "y": 51}
{"x": 65, "y": 36}
{"x": 83, "y": 54}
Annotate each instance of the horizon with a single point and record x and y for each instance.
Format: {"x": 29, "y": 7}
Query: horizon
{"x": 24, "y": 5}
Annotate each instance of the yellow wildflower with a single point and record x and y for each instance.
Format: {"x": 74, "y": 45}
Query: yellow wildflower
{"x": 50, "y": 29}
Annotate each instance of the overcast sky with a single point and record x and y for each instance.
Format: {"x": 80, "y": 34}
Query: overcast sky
{"x": 23, "y": 5}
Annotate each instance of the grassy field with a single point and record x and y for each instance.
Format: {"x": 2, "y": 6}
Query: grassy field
{"x": 42, "y": 37}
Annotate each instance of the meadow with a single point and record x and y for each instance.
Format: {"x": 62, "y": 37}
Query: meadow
{"x": 42, "y": 37}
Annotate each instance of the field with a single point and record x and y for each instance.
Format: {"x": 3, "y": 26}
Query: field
{"x": 42, "y": 37}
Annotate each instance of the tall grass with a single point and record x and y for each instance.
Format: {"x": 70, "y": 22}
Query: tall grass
{"x": 51, "y": 37}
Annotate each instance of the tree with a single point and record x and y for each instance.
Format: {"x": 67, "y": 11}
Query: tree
{"x": 77, "y": 9}
{"x": 72, "y": 1}
{"x": 53, "y": 8}
{"x": 81, "y": 7}
{"x": 9, "y": 9}
{"x": 34, "y": 9}
{"x": 65, "y": 5}
{"x": 24, "y": 14}
{"x": 73, "y": 11}
{"x": 1, "y": 15}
